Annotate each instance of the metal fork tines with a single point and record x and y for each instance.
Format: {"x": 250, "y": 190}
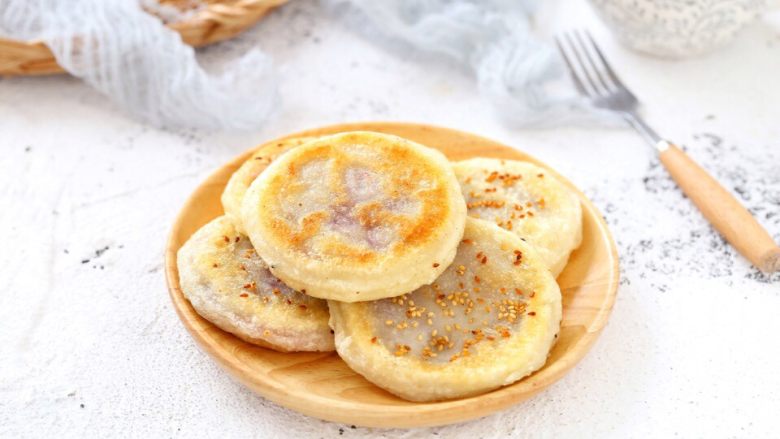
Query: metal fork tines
{"x": 594, "y": 78}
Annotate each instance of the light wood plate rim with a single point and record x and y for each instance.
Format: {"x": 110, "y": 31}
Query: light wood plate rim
{"x": 405, "y": 414}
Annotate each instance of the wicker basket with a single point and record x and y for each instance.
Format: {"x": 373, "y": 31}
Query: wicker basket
{"x": 217, "y": 20}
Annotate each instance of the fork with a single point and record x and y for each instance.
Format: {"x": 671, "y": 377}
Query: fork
{"x": 594, "y": 78}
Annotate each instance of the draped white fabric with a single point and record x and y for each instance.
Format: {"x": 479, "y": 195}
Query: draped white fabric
{"x": 131, "y": 57}
{"x": 522, "y": 75}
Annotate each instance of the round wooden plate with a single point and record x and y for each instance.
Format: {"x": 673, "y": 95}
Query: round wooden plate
{"x": 321, "y": 384}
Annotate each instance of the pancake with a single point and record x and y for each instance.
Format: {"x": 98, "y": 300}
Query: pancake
{"x": 244, "y": 176}
{"x": 356, "y": 216}
{"x": 229, "y": 285}
{"x": 489, "y": 320}
{"x": 526, "y": 200}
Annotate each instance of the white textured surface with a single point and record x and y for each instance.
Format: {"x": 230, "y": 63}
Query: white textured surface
{"x": 95, "y": 349}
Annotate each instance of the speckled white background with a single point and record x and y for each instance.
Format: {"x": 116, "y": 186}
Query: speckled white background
{"x": 89, "y": 342}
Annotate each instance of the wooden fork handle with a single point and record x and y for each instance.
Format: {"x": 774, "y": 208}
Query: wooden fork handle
{"x": 721, "y": 209}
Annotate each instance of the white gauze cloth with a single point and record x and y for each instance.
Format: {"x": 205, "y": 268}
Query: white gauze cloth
{"x": 144, "y": 67}
{"x": 132, "y": 58}
{"x": 521, "y": 75}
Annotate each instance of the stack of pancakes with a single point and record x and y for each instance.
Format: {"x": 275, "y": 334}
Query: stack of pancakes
{"x": 432, "y": 279}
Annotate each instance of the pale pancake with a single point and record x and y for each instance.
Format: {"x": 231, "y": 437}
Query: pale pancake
{"x": 244, "y": 176}
{"x": 526, "y": 200}
{"x": 229, "y": 285}
{"x": 490, "y": 319}
{"x": 356, "y": 216}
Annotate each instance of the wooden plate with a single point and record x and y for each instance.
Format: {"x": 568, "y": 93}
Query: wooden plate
{"x": 321, "y": 385}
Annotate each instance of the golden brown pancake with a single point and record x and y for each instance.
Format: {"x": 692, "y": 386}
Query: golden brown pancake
{"x": 356, "y": 216}
{"x": 526, "y": 200}
{"x": 490, "y": 319}
{"x": 229, "y": 285}
{"x": 244, "y": 176}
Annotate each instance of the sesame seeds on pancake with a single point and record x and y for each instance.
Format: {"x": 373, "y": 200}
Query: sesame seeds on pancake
{"x": 229, "y": 285}
{"x": 488, "y": 320}
{"x": 526, "y": 200}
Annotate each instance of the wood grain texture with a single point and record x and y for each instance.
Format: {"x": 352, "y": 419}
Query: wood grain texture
{"x": 723, "y": 211}
{"x": 321, "y": 385}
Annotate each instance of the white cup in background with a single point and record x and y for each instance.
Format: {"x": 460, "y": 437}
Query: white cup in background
{"x": 678, "y": 28}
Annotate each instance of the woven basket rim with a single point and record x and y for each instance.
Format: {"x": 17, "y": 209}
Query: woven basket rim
{"x": 217, "y": 21}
